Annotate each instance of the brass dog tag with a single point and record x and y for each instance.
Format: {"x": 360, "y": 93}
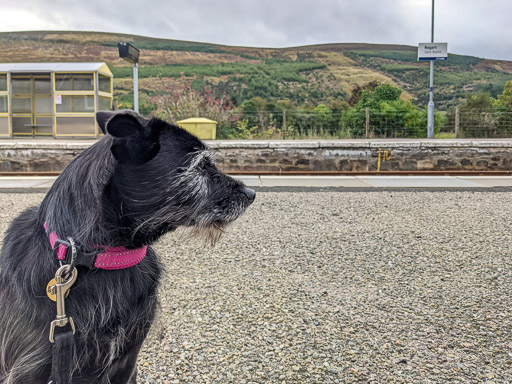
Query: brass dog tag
{"x": 52, "y": 296}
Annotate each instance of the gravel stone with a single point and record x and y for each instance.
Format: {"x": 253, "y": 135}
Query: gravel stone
{"x": 337, "y": 287}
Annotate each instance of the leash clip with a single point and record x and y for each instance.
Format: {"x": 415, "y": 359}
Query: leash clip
{"x": 76, "y": 255}
{"x": 59, "y": 290}
{"x": 70, "y": 254}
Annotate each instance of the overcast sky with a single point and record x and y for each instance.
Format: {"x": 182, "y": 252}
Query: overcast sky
{"x": 471, "y": 27}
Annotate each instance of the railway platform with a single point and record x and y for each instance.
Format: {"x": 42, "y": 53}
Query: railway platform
{"x": 41, "y": 184}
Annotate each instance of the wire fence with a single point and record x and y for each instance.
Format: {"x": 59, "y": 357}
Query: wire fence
{"x": 365, "y": 124}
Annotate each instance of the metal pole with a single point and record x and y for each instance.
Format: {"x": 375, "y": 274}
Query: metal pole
{"x": 457, "y": 122}
{"x": 430, "y": 126}
{"x": 136, "y": 87}
{"x": 284, "y": 123}
{"x": 367, "y": 122}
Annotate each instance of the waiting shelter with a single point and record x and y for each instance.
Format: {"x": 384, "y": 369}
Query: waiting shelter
{"x": 53, "y": 99}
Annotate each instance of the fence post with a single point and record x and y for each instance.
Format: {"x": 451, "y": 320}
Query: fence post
{"x": 456, "y": 122}
{"x": 367, "y": 121}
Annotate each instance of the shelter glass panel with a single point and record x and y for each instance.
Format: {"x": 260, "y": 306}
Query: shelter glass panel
{"x": 21, "y": 85}
{"x": 63, "y": 83}
{"x": 43, "y": 86}
{"x": 44, "y": 125}
{"x": 84, "y": 103}
{"x": 83, "y": 83}
{"x": 44, "y": 105}
{"x": 4, "y": 106}
{"x": 76, "y": 104}
{"x": 104, "y": 103}
{"x": 3, "y": 82}
{"x": 22, "y": 125}
{"x": 66, "y": 104}
{"x": 72, "y": 82}
{"x": 76, "y": 126}
{"x": 104, "y": 83}
{"x": 4, "y": 126}
{"x": 22, "y": 105}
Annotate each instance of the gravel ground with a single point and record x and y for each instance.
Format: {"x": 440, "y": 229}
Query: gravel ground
{"x": 380, "y": 287}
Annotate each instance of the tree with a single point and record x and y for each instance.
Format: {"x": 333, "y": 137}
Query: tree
{"x": 483, "y": 116}
{"x": 358, "y": 90}
{"x": 282, "y": 107}
{"x": 505, "y": 99}
{"x": 503, "y": 107}
{"x": 324, "y": 121}
{"x": 305, "y": 119}
{"x": 255, "y": 111}
{"x": 476, "y": 116}
{"x": 390, "y": 116}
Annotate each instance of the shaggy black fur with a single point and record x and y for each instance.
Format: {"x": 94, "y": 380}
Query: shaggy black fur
{"x": 142, "y": 180}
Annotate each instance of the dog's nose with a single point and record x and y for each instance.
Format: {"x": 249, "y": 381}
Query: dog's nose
{"x": 251, "y": 195}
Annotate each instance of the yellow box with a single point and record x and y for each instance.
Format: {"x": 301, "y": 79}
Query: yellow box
{"x": 200, "y": 127}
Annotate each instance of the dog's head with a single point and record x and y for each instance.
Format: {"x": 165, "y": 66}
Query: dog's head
{"x": 165, "y": 177}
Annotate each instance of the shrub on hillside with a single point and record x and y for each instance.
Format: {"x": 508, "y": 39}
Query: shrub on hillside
{"x": 183, "y": 102}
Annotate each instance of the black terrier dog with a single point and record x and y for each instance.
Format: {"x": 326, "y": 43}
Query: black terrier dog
{"x": 144, "y": 178}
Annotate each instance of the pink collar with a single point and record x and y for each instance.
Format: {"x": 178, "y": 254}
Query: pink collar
{"x": 111, "y": 258}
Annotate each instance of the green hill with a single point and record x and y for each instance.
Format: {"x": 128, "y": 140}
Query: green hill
{"x": 307, "y": 74}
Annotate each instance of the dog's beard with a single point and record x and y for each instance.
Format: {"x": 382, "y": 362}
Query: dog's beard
{"x": 211, "y": 226}
{"x": 210, "y": 234}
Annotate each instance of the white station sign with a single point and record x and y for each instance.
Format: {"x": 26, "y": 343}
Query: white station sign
{"x": 432, "y": 51}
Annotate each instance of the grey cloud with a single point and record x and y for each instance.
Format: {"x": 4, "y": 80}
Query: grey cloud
{"x": 469, "y": 26}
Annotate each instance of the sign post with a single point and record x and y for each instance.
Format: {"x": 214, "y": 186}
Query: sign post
{"x": 432, "y": 51}
{"x": 130, "y": 53}
{"x": 136, "y": 87}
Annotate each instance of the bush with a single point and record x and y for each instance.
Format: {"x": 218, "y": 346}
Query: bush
{"x": 185, "y": 102}
{"x": 389, "y": 116}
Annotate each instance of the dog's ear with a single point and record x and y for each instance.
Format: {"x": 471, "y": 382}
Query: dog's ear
{"x": 124, "y": 124}
{"x": 102, "y": 117}
{"x": 135, "y": 140}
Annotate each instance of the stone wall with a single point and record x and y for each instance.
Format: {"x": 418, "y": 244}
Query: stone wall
{"x": 338, "y": 155}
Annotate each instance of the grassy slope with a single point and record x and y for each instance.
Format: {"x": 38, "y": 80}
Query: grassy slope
{"x": 454, "y": 78}
{"x": 303, "y": 74}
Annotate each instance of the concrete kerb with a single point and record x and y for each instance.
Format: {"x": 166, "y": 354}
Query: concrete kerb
{"x": 344, "y": 144}
{"x": 445, "y": 143}
{"x": 39, "y": 184}
{"x": 359, "y": 143}
{"x": 492, "y": 143}
{"x": 237, "y": 144}
{"x": 45, "y": 145}
{"x": 294, "y": 144}
{"x": 395, "y": 144}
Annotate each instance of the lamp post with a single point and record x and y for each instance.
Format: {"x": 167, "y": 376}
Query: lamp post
{"x": 430, "y": 122}
{"x": 130, "y": 53}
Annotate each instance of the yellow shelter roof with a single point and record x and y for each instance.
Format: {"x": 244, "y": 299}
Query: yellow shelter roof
{"x": 56, "y": 67}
